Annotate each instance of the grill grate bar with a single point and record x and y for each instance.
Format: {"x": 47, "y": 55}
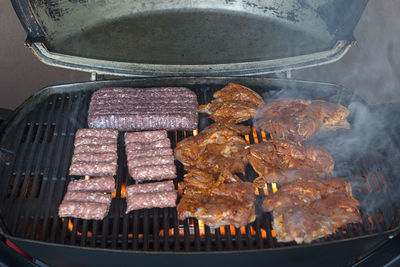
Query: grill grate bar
{"x": 155, "y": 230}
{"x": 135, "y": 244}
{"x": 166, "y": 229}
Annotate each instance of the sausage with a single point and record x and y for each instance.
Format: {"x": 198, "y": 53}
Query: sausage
{"x": 150, "y": 187}
{"x": 95, "y": 157}
{"x": 97, "y": 197}
{"x": 93, "y": 168}
{"x": 153, "y": 173}
{"x": 145, "y": 137}
{"x": 165, "y": 151}
{"x": 147, "y": 161}
{"x": 83, "y": 210}
{"x": 107, "y": 133}
{"x": 140, "y": 146}
{"x": 145, "y": 121}
{"x": 150, "y": 200}
{"x": 95, "y": 148}
{"x": 153, "y": 92}
{"x": 103, "y": 184}
{"x": 120, "y": 105}
{"x": 138, "y": 109}
{"x": 89, "y": 140}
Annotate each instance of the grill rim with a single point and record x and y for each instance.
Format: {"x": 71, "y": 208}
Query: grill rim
{"x": 249, "y": 81}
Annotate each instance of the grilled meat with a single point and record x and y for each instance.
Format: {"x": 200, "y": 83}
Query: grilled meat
{"x": 303, "y": 192}
{"x": 321, "y": 218}
{"x": 234, "y": 103}
{"x": 300, "y": 224}
{"x": 309, "y": 209}
{"x": 296, "y": 119}
{"x": 340, "y": 208}
{"x": 227, "y": 200}
{"x": 216, "y": 148}
{"x": 280, "y": 161}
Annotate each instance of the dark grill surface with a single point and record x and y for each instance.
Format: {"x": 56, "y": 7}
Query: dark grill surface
{"x": 34, "y": 178}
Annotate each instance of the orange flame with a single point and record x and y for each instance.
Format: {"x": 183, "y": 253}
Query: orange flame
{"x": 243, "y": 230}
{"x": 255, "y": 135}
{"x": 298, "y": 142}
{"x": 87, "y": 177}
{"x": 195, "y": 132}
{"x": 256, "y": 192}
{"x": 247, "y": 138}
{"x": 272, "y": 137}
{"x": 273, "y": 233}
{"x": 265, "y": 189}
{"x": 264, "y": 136}
{"x": 263, "y": 233}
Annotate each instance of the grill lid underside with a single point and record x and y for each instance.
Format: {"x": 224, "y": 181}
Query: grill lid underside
{"x": 189, "y": 38}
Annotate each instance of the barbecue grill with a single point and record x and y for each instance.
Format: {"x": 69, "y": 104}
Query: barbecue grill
{"x": 37, "y": 139}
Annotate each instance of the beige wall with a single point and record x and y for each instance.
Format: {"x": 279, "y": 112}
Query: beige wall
{"x": 372, "y": 68}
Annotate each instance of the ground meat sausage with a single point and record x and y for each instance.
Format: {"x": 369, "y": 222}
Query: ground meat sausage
{"x": 140, "y": 146}
{"x": 103, "y": 184}
{"x": 165, "y": 151}
{"x": 145, "y": 137}
{"x": 95, "y": 148}
{"x": 150, "y": 200}
{"x": 105, "y": 133}
{"x": 94, "y": 141}
{"x": 153, "y": 173}
{"x": 93, "y": 168}
{"x": 83, "y": 210}
{"x": 138, "y": 109}
{"x": 145, "y": 121}
{"x": 147, "y": 161}
{"x": 98, "y": 197}
{"x": 94, "y": 157}
{"x": 150, "y": 187}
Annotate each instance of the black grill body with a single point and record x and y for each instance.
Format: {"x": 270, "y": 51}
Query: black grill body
{"x": 36, "y": 149}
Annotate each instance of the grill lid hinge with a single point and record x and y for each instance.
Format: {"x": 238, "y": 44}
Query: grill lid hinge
{"x": 94, "y": 76}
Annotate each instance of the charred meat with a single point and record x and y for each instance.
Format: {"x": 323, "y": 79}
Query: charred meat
{"x": 280, "y": 161}
{"x": 233, "y": 104}
{"x": 224, "y": 201}
{"x": 297, "y": 119}
{"x": 215, "y": 149}
{"x": 303, "y": 192}
{"x": 309, "y": 209}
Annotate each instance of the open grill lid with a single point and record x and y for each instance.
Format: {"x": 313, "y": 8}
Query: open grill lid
{"x": 189, "y": 38}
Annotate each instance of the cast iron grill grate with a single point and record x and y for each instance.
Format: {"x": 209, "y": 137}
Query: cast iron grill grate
{"x": 34, "y": 182}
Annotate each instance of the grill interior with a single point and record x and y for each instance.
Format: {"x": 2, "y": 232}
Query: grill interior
{"x": 34, "y": 178}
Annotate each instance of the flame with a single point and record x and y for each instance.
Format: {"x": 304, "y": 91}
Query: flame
{"x": 202, "y": 228}
{"x": 274, "y": 187}
{"x": 71, "y": 227}
{"x": 123, "y": 190}
{"x": 263, "y": 233}
{"x": 233, "y": 229}
{"x": 256, "y": 192}
{"x": 195, "y": 132}
{"x": 298, "y": 142}
{"x": 255, "y": 135}
{"x": 222, "y": 230}
{"x": 264, "y": 136}
{"x": 265, "y": 189}
{"x": 252, "y": 231}
{"x": 87, "y": 177}
{"x": 243, "y": 230}
{"x": 273, "y": 233}
{"x": 247, "y": 138}
{"x": 272, "y": 137}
